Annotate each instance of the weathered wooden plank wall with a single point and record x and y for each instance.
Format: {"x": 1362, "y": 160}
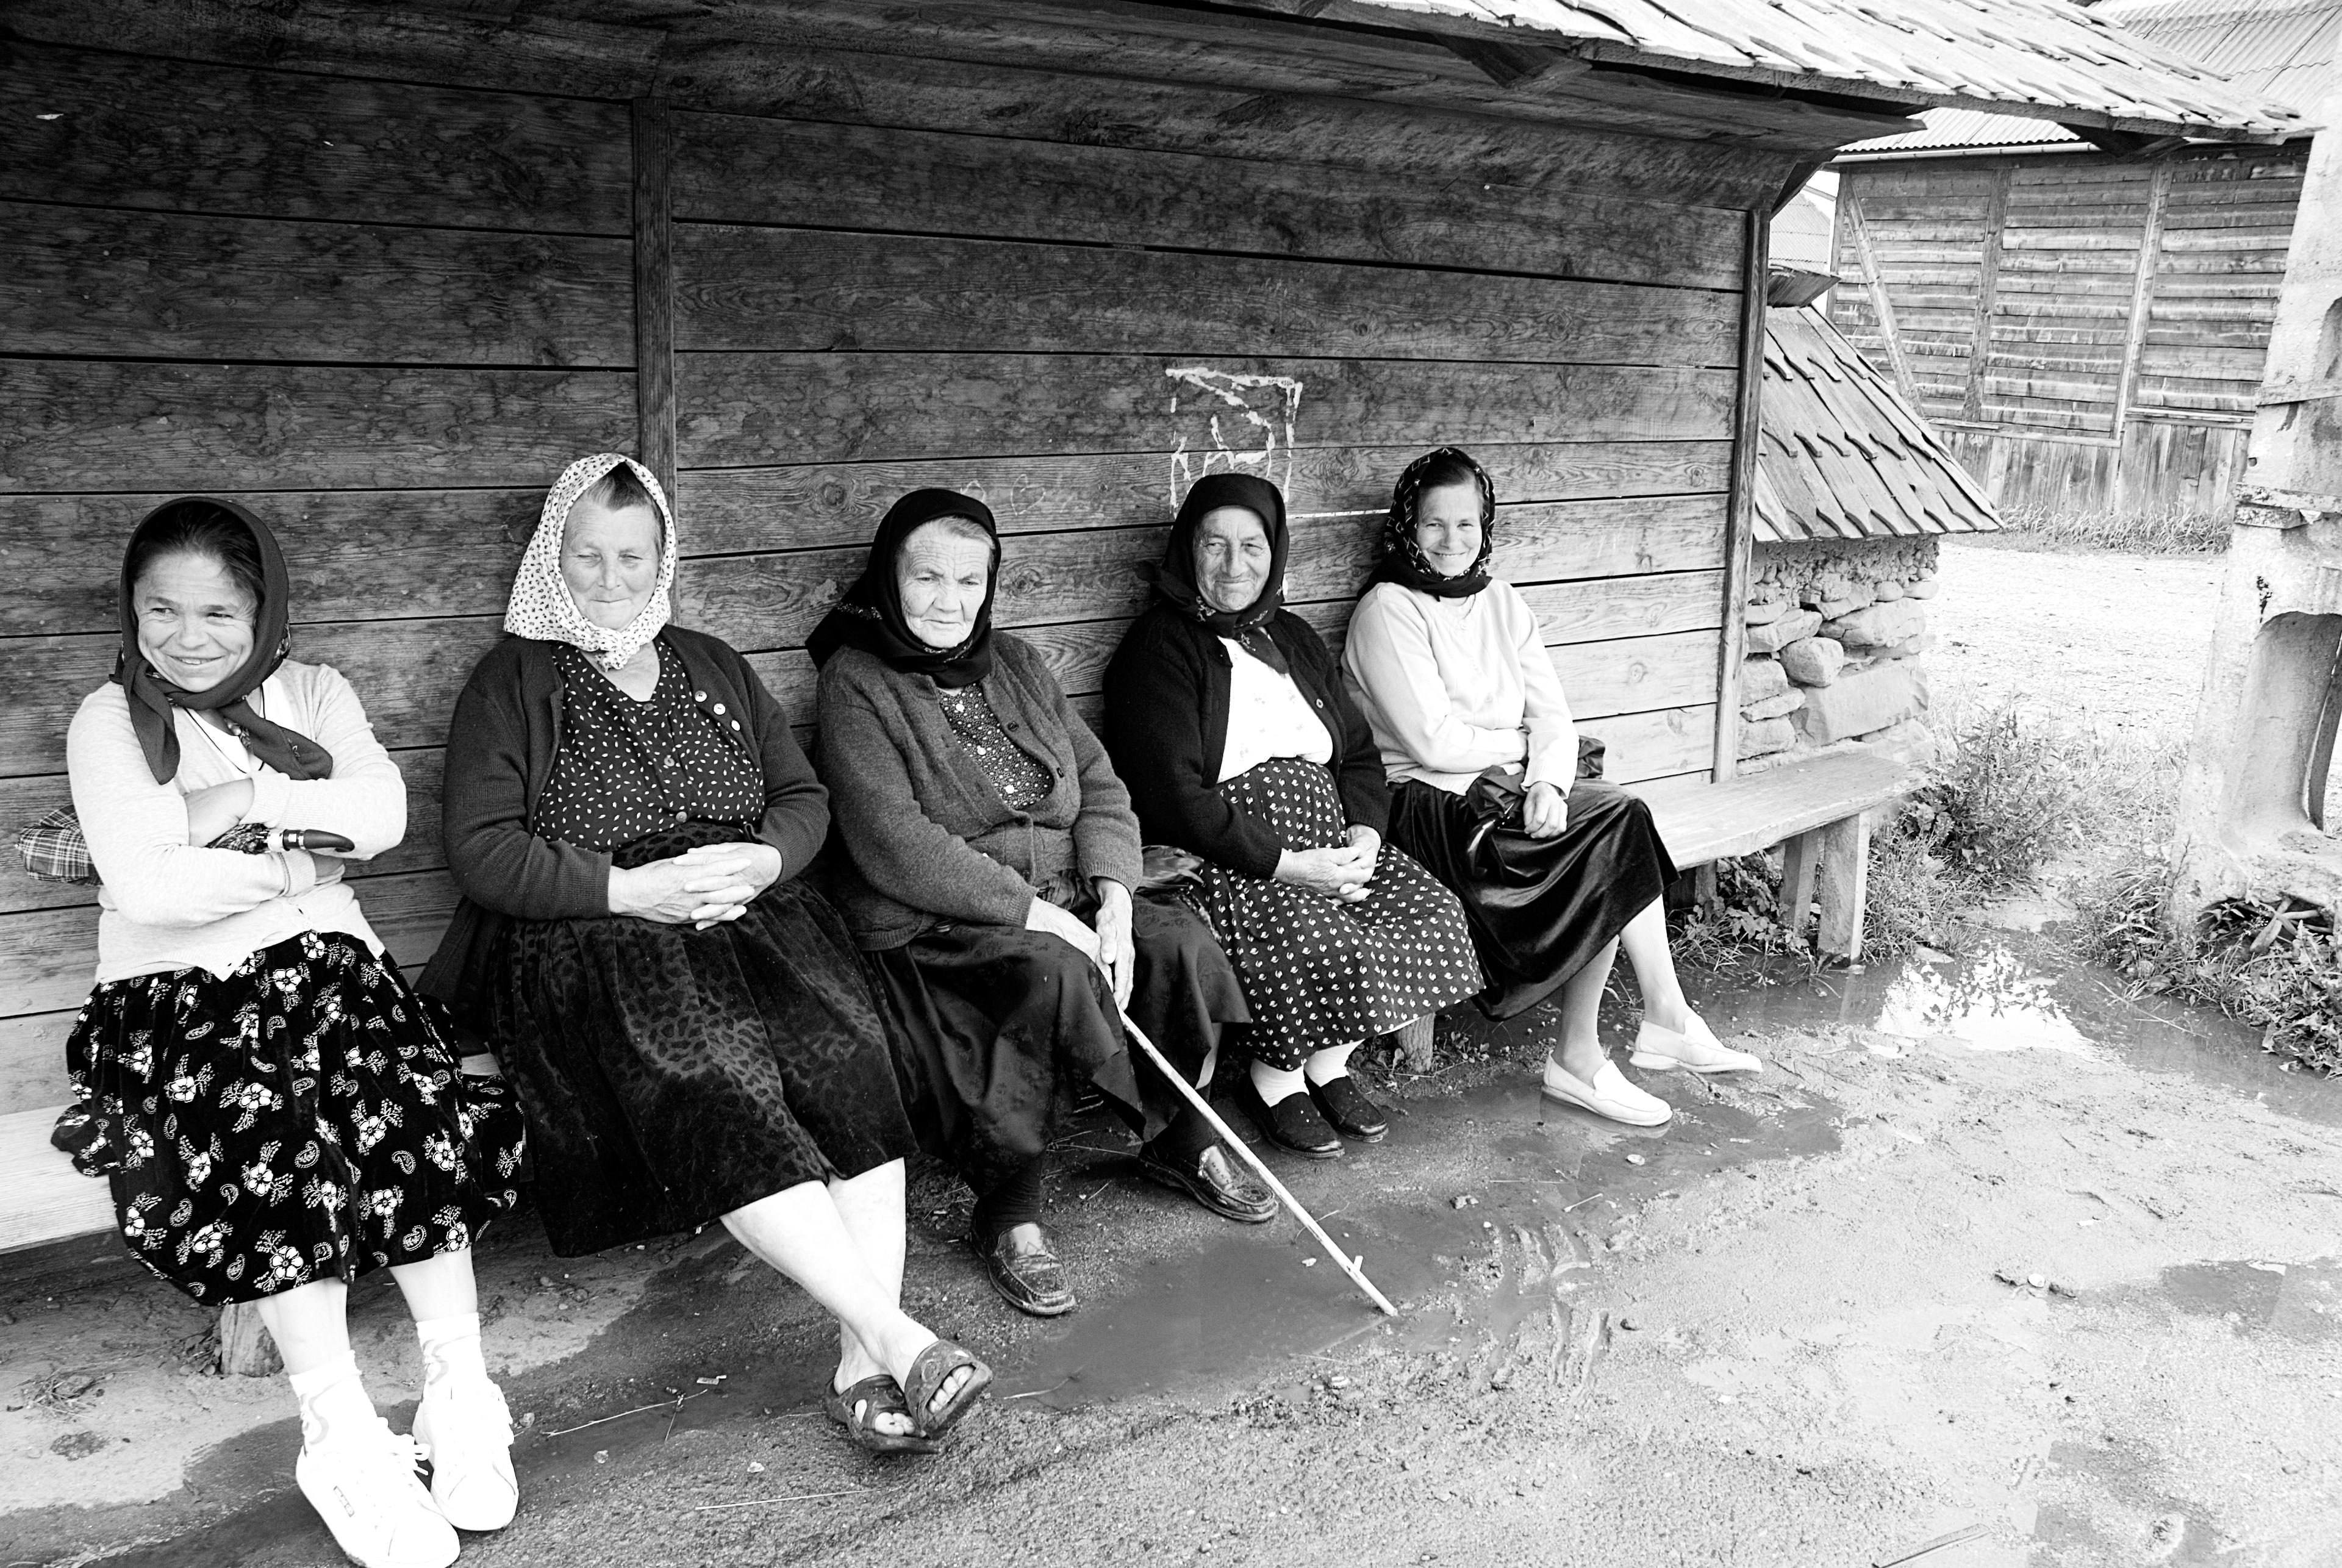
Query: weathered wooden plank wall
{"x": 2126, "y": 309}
{"x": 380, "y": 287}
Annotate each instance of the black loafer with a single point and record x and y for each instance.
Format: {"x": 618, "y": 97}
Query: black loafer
{"x": 1346, "y": 1106}
{"x": 1025, "y": 1272}
{"x": 1293, "y": 1123}
{"x": 1213, "y": 1180}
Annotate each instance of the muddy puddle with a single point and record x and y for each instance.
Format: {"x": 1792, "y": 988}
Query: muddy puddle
{"x": 2017, "y": 993}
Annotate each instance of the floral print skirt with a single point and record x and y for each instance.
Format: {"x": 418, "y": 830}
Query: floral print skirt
{"x": 301, "y": 1118}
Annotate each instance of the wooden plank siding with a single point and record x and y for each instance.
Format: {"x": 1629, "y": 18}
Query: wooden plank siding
{"x": 2128, "y": 313}
{"x": 383, "y": 298}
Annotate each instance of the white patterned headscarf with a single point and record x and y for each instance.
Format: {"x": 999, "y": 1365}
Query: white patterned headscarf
{"x": 541, "y": 606}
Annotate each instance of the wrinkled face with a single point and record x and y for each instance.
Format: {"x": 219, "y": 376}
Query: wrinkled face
{"x": 610, "y": 560}
{"x": 941, "y": 575}
{"x": 1232, "y": 557}
{"x": 1448, "y": 527}
{"x": 195, "y": 620}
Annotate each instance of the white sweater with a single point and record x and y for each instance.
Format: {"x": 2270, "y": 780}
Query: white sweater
{"x": 168, "y": 904}
{"x": 1453, "y": 686}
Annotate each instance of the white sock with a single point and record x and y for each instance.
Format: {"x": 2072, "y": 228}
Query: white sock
{"x": 1332, "y": 1062}
{"x": 451, "y": 1351}
{"x": 1273, "y": 1085}
{"x": 334, "y": 1402}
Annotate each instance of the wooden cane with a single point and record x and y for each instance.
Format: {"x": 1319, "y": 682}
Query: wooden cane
{"x": 1244, "y": 1152}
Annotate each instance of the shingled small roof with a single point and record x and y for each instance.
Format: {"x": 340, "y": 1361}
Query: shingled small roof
{"x": 1843, "y": 456}
{"x": 2046, "y": 58}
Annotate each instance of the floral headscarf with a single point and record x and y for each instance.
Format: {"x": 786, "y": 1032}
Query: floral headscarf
{"x": 1402, "y": 559}
{"x": 541, "y": 605}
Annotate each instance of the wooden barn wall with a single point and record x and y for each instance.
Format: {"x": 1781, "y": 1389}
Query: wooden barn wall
{"x": 2087, "y": 333}
{"x": 384, "y": 313}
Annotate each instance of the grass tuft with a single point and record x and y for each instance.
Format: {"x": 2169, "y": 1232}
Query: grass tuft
{"x": 2141, "y": 533}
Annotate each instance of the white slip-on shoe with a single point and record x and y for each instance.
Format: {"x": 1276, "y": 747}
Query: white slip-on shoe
{"x": 467, "y": 1430}
{"x": 363, "y": 1484}
{"x": 1608, "y": 1096}
{"x": 1658, "y": 1050}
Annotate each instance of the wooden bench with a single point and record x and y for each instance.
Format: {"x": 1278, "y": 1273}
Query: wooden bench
{"x": 1818, "y": 807}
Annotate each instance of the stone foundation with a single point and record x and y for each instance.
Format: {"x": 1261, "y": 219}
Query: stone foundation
{"x": 1835, "y": 634}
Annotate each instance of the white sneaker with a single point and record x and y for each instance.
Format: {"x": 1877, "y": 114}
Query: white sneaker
{"x": 1658, "y": 1050}
{"x": 363, "y": 1483}
{"x": 1608, "y": 1096}
{"x": 468, "y": 1428}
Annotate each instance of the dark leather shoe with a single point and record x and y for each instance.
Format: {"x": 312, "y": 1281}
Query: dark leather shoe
{"x": 1025, "y": 1272}
{"x": 1346, "y": 1106}
{"x": 1214, "y": 1181}
{"x": 1293, "y": 1123}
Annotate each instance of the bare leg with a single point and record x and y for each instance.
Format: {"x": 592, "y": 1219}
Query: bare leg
{"x": 1645, "y": 941}
{"x": 800, "y": 1232}
{"x": 310, "y": 1324}
{"x": 440, "y": 1286}
{"x": 870, "y": 1207}
{"x": 1580, "y": 1052}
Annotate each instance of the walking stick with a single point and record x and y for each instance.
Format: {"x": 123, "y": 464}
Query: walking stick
{"x": 1244, "y": 1152}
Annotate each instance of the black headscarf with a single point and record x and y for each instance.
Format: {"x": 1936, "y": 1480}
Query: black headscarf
{"x": 152, "y": 697}
{"x": 870, "y": 614}
{"x": 1175, "y": 579}
{"x": 1402, "y": 559}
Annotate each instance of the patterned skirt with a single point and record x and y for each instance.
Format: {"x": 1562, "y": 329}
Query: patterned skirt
{"x": 299, "y": 1119}
{"x": 1320, "y": 972}
{"x": 671, "y": 1075}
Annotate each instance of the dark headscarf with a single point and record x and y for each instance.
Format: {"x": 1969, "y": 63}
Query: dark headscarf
{"x": 152, "y": 697}
{"x": 870, "y": 614}
{"x": 1402, "y": 560}
{"x": 1175, "y": 579}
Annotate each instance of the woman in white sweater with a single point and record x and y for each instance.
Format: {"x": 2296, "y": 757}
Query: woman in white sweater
{"x": 275, "y": 1108}
{"x": 1556, "y": 873}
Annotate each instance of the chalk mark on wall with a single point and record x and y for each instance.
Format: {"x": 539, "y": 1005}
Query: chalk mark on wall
{"x": 1257, "y": 411}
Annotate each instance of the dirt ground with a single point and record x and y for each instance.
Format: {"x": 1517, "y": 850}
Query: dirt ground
{"x": 1992, "y": 1267}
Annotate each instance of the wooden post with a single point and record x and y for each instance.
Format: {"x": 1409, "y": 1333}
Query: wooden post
{"x": 1800, "y": 861}
{"x": 1845, "y": 886}
{"x": 1740, "y": 511}
{"x": 654, "y": 294}
{"x": 2142, "y": 291}
{"x": 245, "y": 1348}
{"x": 1873, "y": 284}
{"x": 1996, "y": 218}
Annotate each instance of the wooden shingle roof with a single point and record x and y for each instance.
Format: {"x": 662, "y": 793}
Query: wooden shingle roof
{"x": 1843, "y": 456}
{"x": 2046, "y": 58}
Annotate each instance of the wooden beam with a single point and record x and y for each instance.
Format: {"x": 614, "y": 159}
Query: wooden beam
{"x": 1845, "y": 886}
{"x": 2142, "y": 301}
{"x": 1988, "y": 279}
{"x": 1873, "y": 284}
{"x": 1801, "y": 859}
{"x": 653, "y": 292}
{"x": 1740, "y": 511}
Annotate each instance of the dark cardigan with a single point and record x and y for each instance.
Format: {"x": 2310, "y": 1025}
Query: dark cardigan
{"x": 1166, "y": 728}
{"x": 926, "y": 838}
{"x": 501, "y": 749}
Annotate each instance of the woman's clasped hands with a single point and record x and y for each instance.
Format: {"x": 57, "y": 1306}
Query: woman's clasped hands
{"x": 1108, "y": 944}
{"x": 1340, "y": 872}
{"x": 705, "y": 884}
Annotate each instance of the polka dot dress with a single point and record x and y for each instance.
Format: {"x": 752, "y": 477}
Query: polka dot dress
{"x": 1023, "y": 780}
{"x": 627, "y": 769}
{"x": 1320, "y": 972}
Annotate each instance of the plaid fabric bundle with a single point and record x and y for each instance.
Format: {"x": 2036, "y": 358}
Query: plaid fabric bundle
{"x": 54, "y": 850}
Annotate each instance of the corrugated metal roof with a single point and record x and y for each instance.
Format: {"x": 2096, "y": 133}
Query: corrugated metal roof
{"x": 2280, "y": 49}
{"x": 1842, "y": 455}
{"x": 2033, "y": 57}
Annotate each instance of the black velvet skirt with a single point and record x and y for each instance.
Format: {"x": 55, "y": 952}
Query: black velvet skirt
{"x": 995, "y": 1027}
{"x": 671, "y": 1075}
{"x": 1539, "y": 909}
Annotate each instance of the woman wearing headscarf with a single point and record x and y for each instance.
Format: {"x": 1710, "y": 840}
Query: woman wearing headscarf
{"x": 627, "y": 815}
{"x": 1556, "y": 873}
{"x": 990, "y": 858}
{"x": 277, "y": 1110}
{"x": 1228, "y": 717}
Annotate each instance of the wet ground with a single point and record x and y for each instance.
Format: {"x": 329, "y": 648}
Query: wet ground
{"x": 1995, "y": 1265}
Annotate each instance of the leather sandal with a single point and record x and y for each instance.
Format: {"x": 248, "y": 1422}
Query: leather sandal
{"x": 858, "y": 1407}
{"x": 1348, "y": 1108}
{"x": 929, "y": 1372}
{"x": 1213, "y": 1180}
{"x": 1293, "y": 1123}
{"x": 1025, "y": 1273}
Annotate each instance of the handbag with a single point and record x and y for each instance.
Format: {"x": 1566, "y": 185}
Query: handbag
{"x": 1496, "y": 797}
